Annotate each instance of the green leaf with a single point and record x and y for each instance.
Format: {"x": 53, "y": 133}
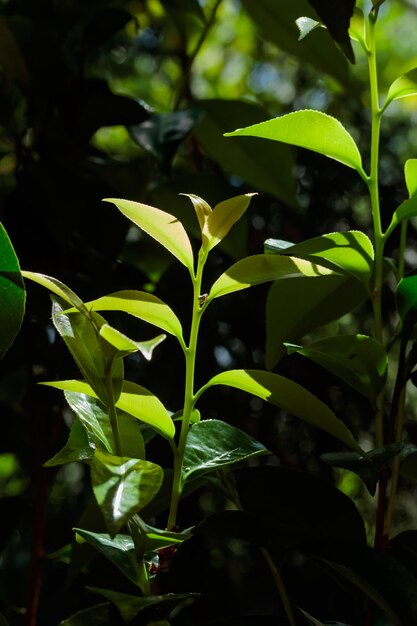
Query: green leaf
{"x": 223, "y": 217}
{"x": 407, "y": 296}
{"x": 276, "y": 21}
{"x": 350, "y": 251}
{"x": 336, "y": 17}
{"x": 116, "y": 344}
{"x": 312, "y": 130}
{"x": 255, "y": 162}
{"x": 358, "y": 360}
{"x": 12, "y": 293}
{"x": 162, "y": 226}
{"x": 261, "y": 268}
{"x": 202, "y": 210}
{"x": 410, "y": 174}
{"x": 120, "y": 550}
{"x": 140, "y": 304}
{"x": 408, "y": 465}
{"x": 134, "y": 399}
{"x": 213, "y": 444}
{"x": 97, "y": 425}
{"x": 405, "y": 85}
{"x": 59, "y": 289}
{"x": 407, "y": 209}
{"x": 306, "y": 25}
{"x": 289, "y": 396}
{"x": 154, "y": 538}
{"x": 97, "y": 615}
{"x": 297, "y": 306}
{"x": 123, "y": 486}
{"x": 77, "y": 448}
{"x": 357, "y": 26}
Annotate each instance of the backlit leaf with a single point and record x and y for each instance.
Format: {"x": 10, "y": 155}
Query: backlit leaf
{"x": 410, "y": 173}
{"x": 407, "y": 209}
{"x": 213, "y": 444}
{"x": 58, "y": 288}
{"x": 289, "y": 396}
{"x": 306, "y": 25}
{"x": 312, "y": 130}
{"x": 261, "y": 268}
{"x": 402, "y": 87}
{"x": 123, "y": 486}
{"x": 12, "y": 293}
{"x": 116, "y": 344}
{"x": 162, "y": 226}
{"x": 223, "y": 217}
{"x": 202, "y": 210}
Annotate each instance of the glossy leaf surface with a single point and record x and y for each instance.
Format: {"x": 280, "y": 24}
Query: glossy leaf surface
{"x": 289, "y": 396}
{"x": 404, "y": 86}
{"x": 358, "y": 360}
{"x": 312, "y": 130}
{"x": 213, "y": 444}
{"x": 162, "y": 226}
{"x": 12, "y": 293}
{"x": 297, "y": 306}
{"x": 261, "y": 268}
{"x": 410, "y": 174}
{"x": 140, "y": 304}
{"x": 123, "y": 486}
{"x": 134, "y": 399}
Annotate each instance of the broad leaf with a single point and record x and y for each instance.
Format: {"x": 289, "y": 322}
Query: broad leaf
{"x": 350, "y": 251}
{"x": 162, "y": 226}
{"x": 140, "y": 304}
{"x": 223, "y": 217}
{"x": 297, "y": 306}
{"x": 337, "y": 19}
{"x": 213, "y": 444}
{"x": 262, "y": 268}
{"x": 134, "y": 399}
{"x": 358, "y": 360}
{"x": 56, "y": 287}
{"x": 404, "y": 86}
{"x": 123, "y": 486}
{"x": 12, "y": 293}
{"x": 120, "y": 550}
{"x": 410, "y": 174}
{"x": 312, "y": 130}
{"x": 289, "y": 396}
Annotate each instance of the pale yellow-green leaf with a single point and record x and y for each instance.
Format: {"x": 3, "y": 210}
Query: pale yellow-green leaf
{"x": 223, "y": 217}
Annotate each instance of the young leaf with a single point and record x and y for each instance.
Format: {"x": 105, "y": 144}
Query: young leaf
{"x": 162, "y": 226}
{"x": 213, "y": 444}
{"x": 155, "y": 538}
{"x": 407, "y": 209}
{"x": 134, "y": 399}
{"x": 12, "y": 293}
{"x": 357, "y": 359}
{"x": 289, "y": 396}
{"x": 77, "y": 448}
{"x": 123, "y": 486}
{"x": 120, "y": 550}
{"x": 116, "y": 344}
{"x": 297, "y": 306}
{"x": 402, "y": 87}
{"x": 313, "y": 130}
{"x": 306, "y": 25}
{"x": 140, "y": 304}
{"x": 261, "y": 268}
{"x": 202, "y": 209}
{"x": 357, "y": 27}
{"x": 410, "y": 173}
{"x": 350, "y": 251}
{"x": 336, "y": 17}
{"x": 222, "y": 218}
{"x": 59, "y": 289}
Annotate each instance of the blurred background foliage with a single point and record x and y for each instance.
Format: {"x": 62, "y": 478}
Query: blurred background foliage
{"x": 129, "y": 98}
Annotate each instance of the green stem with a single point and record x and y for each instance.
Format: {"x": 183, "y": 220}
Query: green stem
{"x": 189, "y": 397}
{"x": 373, "y": 187}
{"x": 112, "y": 411}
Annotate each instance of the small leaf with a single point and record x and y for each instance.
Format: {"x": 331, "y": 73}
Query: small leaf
{"x": 357, "y": 27}
{"x": 202, "y": 209}
{"x": 407, "y": 296}
{"x": 213, "y": 444}
{"x": 337, "y": 19}
{"x": 306, "y": 25}
{"x": 59, "y": 289}
{"x": 120, "y": 550}
{"x": 140, "y": 304}
{"x": 223, "y": 217}
{"x": 134, "y": 399}
{"x": 77, "y": 448}
{"x": 261, "y": 268}
{"x": 12, "y": 293}
{"x": 407, "y": 209}
{"x": 162, "y": 226}
{"x": 402, "y": 87}
{"x": 116, "y": 344}
{"x": 312, "y": 130}
{"x": 123, "y": 486}
{"x": 358, "y": 360}
{"x": 96, "y": 615}
{"x": 289, "y": 396}
{"x": 410, "y": 173}
{"x": 152, "y": 538}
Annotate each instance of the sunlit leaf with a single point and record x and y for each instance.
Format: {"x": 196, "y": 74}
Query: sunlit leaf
{"x": 357, "y": 26}
{"x": 202, "y": 210}
{"x": 404, "y": 86}
{"x": 150, "y": 538}
{"x": 58, "y": 288}
{"x": 77, "y": 448}
{"x": 162, "y": 226}
{"x": 143, "y": 305}
{"x": 12, "y": 293}
{"x": 223, "y": 217}
{"x": 134, "y": 399}
{"x": 312, "y": 130}
{"x": 123, "y": 486}
{"x": 261, "y": 268}
{"x": 306, "y": 25}
{"x": 289, "y": 396}
{"x": 407, "y": 209}
{"x": 116, "y": 344}
{"x": 213, "y": 444}
{"x": 410, "y": 173}
{"x": 358, "y": 360}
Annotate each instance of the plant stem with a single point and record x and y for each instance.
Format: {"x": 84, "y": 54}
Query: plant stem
{"x": 189, "y": 397}
{"x": 112, "y": 410}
